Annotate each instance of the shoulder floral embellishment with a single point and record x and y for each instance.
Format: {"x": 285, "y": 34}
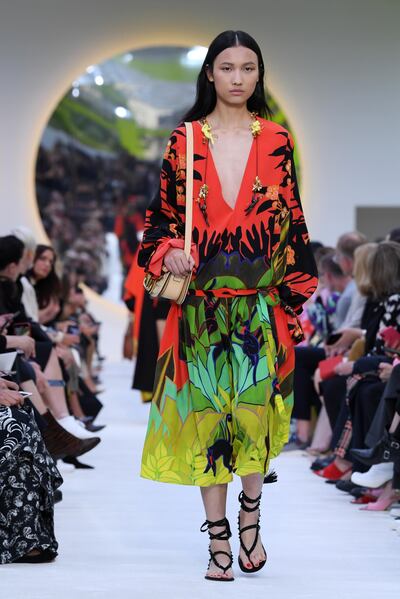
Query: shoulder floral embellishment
{"x": 255, "y": 126}
{"x": 206, "y": 131}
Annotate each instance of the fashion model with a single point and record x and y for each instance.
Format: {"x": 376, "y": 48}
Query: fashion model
{"x": 223, "y": 397}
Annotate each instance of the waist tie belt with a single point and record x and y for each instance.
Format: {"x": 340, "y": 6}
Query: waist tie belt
{"x": 270, "y": 293}
{"x": 268, "y": 296}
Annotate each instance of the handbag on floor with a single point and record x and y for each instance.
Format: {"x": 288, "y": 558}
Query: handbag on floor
{"x": 170, "y": 286}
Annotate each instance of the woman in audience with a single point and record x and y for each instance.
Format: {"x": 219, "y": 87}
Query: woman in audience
{"x": 333, "y": 390}
{"x": 28, "y": 481}
{"x": 47, "y": 371}
{"x": 72, "y": 337}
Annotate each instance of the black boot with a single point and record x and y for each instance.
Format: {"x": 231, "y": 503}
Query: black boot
{"x": 387, "y": 450}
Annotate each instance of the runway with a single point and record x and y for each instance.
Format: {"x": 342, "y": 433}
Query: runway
{"x": 124, "y": 537}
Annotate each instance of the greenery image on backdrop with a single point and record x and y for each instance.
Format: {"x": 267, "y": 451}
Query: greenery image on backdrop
{"x": 99, "y": 158}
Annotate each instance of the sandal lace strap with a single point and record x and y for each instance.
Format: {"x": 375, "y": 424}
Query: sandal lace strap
{"x": 243, "y": 499}
{"x": 223, "y": 535}
{"x": 247, "y": 551}
{"x": 216, "y": 562}
{"x": 254, "y": 505}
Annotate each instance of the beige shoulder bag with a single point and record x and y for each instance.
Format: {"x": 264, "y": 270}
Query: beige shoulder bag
{"x": 169, "y": 286}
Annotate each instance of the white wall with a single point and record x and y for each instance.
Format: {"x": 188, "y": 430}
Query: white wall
{"x": 332, "y": 64}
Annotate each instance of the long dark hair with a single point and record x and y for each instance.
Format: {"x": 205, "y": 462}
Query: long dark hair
{"x": 206, "y": 97}
{"x": 47, "y": 288}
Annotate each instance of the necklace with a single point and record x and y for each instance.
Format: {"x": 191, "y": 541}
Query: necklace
{"x": 210, "y": 137}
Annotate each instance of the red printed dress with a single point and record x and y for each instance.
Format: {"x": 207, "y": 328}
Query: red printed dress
{"x": 223, "y": 394}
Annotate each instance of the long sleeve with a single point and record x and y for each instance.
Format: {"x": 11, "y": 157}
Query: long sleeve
{"x": 164, "y": 218}
{"x": 300, "y": 280}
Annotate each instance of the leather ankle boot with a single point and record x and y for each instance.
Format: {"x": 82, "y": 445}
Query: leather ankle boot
{"x": 387, "y": 450}
{"x": 60, "y": 443}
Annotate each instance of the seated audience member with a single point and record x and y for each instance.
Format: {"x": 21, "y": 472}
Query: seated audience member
{"x": 366, "y": 386}
{"x": 334, "y": 388}
{"x": 308, "y": 358}
{"x": 383, "y": 439}
{"x": 28, "y": 297}
{"x": 72, "y": 337}
{"x": 28, "y": 481}
{"x": 43, "y": 360}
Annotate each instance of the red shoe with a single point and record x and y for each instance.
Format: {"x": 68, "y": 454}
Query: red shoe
{"x": 367, "y": 498}
{"x": 332, "y": 472}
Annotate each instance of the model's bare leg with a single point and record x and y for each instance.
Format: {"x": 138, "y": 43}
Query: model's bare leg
{"x": 214, "y": 499}
{"x": 252, "y": 487}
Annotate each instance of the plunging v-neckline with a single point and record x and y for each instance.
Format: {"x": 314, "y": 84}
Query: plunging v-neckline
{"x": 238, "y": 195}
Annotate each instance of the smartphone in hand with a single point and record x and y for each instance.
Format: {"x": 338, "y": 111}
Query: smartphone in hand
{"x": 332, "y": 339}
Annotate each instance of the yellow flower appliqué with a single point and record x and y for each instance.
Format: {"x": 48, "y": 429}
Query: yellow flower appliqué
{"x": 207, "y": 132}
{"x": 255, "y": 128}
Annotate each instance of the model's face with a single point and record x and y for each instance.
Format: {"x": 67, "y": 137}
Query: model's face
{"x": 235, "y": 74}
{"x": 43, "y": 265}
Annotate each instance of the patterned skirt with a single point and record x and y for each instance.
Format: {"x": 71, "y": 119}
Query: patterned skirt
{"x": 223, "y": 392}
{"x": 28, "y": 479}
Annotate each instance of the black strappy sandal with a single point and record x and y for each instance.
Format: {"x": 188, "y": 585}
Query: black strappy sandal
{"x": 223, "y": 535}
{"x": 255, "y": 503}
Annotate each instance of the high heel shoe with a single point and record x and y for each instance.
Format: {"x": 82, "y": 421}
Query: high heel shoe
{"x": 333, "y": 473}
{"x": 321, "y": 463}
{"x": 387, "y": 498}
{"x": 255, "y": 503}
{"x": 387, "y": 450}
{"x": 222, "y": 535}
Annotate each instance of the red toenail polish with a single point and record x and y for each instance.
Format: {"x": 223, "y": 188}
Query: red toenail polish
{"x": 249, "y": 565}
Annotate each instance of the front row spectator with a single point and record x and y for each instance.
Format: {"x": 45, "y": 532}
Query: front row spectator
{"x": 28, "y": 481}
{"x": 46, "y": 414}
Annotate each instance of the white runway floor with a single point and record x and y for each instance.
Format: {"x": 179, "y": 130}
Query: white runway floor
{"x": 123, "y": 537}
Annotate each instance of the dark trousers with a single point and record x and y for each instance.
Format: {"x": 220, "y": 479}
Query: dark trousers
{"x": 389, "y": 404}
{"x": 305, "y": 396}
{"x": 364, "y": 404}
{"x": 334, "y": 393}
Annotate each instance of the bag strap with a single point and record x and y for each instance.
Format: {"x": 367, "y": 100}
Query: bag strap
{"x": 189, "y": 188}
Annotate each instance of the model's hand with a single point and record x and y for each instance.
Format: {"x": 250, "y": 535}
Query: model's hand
{"x": 176, "y": 262}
